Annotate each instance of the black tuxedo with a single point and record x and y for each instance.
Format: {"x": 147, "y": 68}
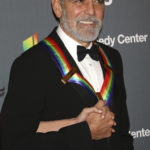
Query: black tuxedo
{"x": 36, "y": 93}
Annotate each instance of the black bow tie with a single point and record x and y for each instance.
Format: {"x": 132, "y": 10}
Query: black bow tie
{"x": 82, "y": 51}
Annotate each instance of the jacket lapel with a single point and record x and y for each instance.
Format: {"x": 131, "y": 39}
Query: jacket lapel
{"x": 55, "y": 36}
{"x": 82, "y": 86}
{"x": 88, "y": 97}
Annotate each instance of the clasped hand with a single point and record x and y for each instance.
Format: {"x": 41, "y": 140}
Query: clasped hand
{"x": 99, "y": 118}
{"x": 101, "y": 124}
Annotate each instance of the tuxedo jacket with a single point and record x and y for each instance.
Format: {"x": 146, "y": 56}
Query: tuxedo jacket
{"x": 36, "y": 93}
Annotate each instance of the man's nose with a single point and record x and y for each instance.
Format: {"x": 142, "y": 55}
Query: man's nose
{"x": 90, "y": 10}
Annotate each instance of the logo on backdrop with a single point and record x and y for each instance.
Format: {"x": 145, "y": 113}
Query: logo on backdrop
{"x": 109, "y": 40}
{"x": 30, "y": 41}
{"x": 140, "y": 133}
{"x": 108, "y": 2}
{"x": 124, "y": 39}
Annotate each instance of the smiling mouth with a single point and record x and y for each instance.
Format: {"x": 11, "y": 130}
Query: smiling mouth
{"x": 87, "y": 22}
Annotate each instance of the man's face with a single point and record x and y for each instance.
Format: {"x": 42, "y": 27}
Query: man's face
{"x": 82, "y": 19}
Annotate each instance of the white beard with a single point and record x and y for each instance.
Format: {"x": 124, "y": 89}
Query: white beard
{"x": 84, "y": 34}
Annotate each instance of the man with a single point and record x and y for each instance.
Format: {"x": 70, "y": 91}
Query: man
{"x": 43, "y": 99}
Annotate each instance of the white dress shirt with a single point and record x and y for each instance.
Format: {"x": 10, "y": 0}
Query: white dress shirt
{"x": 90, "y": 69}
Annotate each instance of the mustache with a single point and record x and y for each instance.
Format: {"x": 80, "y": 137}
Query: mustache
{"x": 88, "y": 18}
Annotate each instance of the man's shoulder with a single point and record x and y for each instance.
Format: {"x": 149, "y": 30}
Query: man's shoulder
{"x": 110, "y": 51}
{"x": 38, "y": 51}
{"x": 35, "y": 56}
{"x": 107, "y": 48}
{"x": 113, "y": 55}
{"x": 33, "y": 52}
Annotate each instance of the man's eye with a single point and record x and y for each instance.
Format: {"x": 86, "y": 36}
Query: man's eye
{"x": 81, "y": 1}
{"x": 100, "y": 1}
{"x": 78, "y": 1}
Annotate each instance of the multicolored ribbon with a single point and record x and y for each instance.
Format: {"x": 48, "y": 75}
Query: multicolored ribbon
{"x": 65, "y": 67}
{"x": 108, "y": 84}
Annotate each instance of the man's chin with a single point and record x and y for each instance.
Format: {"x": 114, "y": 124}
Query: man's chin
{"x": 86, "y": 37}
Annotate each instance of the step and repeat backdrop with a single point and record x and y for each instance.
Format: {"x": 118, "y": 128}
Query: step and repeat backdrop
{"x": 126, "y": 28}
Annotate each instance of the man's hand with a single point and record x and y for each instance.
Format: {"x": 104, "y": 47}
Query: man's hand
{"x": 101, "y": 127}
{"x": 86, "y": 112}
{"x": 100, "y": 105}
{"x": 48, "y": 126}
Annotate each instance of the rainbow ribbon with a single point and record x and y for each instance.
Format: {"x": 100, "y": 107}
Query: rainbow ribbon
{"x": 65, "y": 67}
{"x": 108, "y": 84}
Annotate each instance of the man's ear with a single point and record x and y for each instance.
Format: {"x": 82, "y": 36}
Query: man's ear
{"x": 57, "y": 8}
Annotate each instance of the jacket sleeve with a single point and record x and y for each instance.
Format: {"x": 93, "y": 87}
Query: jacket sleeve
{"x": 20, "y": 115}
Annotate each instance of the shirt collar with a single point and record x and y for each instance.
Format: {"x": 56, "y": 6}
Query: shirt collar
{"x": 69, "y": 43}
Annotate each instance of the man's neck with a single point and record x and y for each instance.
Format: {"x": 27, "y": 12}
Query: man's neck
{"x": 85, "y": 44}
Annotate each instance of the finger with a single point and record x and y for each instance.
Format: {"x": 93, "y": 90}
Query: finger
{"x": 96, "y": 110}
{"x": 100, "y": 104}
{"x": 108, "y": 114}
{"x": 104, "y": 102}
{"x": 115, "y": 123}
{"x": 104, "y": 110}
{"x": 103, "y": 116}
{"x": 92, "y": 110}
{"x": 112, "y": 115}
{"x": 113, "y": 130}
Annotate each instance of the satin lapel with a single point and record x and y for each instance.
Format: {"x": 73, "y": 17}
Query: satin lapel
{"x": 107, "y": 89}
{"x": 65, "y": 51}
{"x": 88, "y": 97}
{"x": 108, "y": 50}
{"x": 101, "y": 61}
